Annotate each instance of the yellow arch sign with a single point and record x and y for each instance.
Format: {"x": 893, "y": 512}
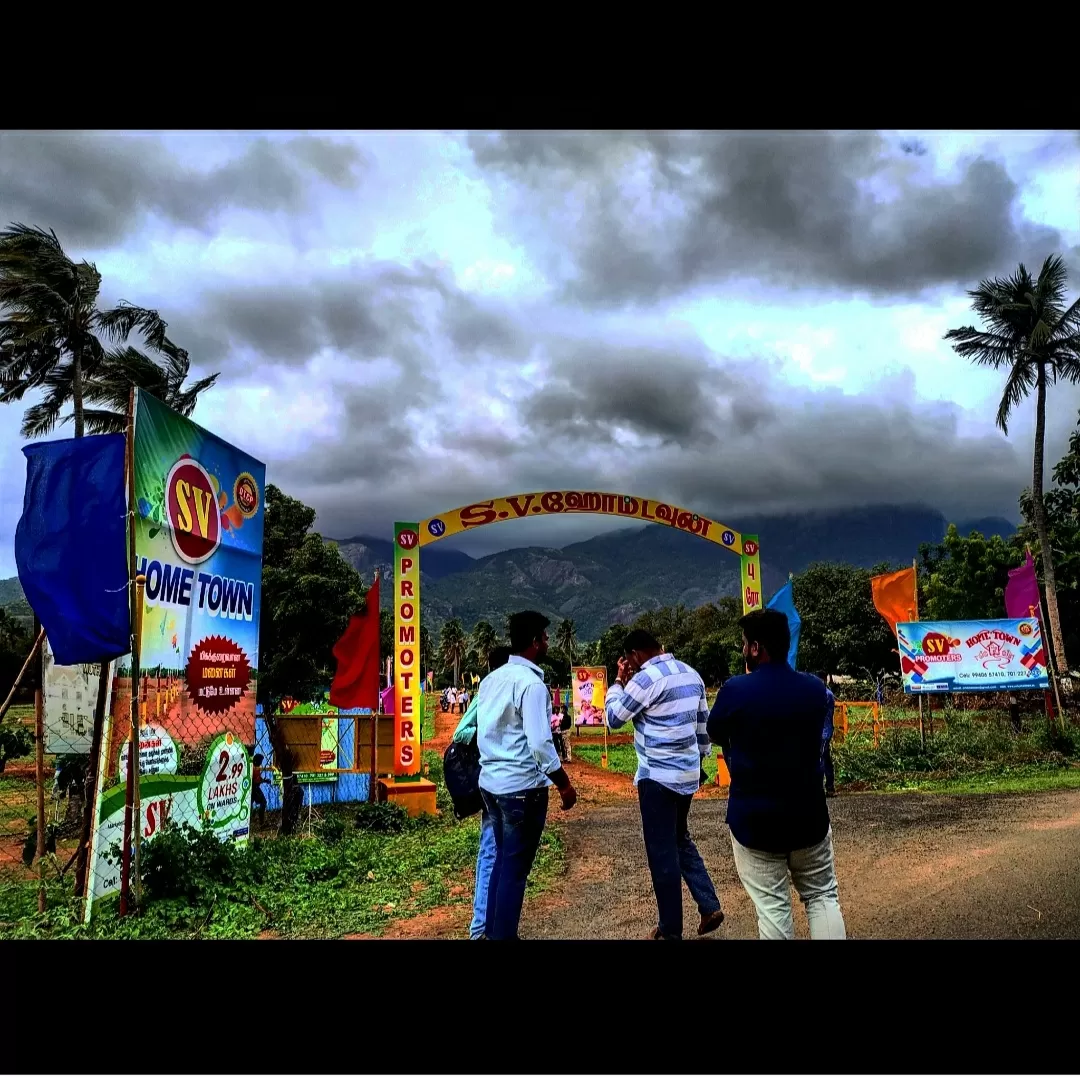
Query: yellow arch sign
{"x": 409, "y": 538}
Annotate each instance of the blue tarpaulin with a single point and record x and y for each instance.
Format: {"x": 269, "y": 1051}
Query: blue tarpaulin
{"x": 70, "y": 547}
{"x": 784, "y": 601}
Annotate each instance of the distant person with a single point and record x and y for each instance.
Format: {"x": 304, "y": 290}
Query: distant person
{"x": 518, "y": 762}
{"x": 769, "y": 724}
{"x": 258, "y": 798}
{"x": 560, "y": 724}
{"x": 665, "y": 700}
{"x": 485, "y": 857}
{"x": 826, "y": 737}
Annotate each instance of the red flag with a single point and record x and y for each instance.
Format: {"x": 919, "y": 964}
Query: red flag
{"x": 356, "y": 683}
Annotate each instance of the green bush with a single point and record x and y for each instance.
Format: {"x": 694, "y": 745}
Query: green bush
{"x": 331, "y": 828}
{"x": 959, "y": 744}
{"x": 15, "y": 741}
{"x": 195, "y": 865}
{"x": 382, "y": 817}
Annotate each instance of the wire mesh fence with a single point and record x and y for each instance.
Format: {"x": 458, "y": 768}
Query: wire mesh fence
{"x": 237, "y": 774}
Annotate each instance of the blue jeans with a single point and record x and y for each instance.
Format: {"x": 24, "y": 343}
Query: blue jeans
{"x": 485, "y": 861}
{"x": 517, "y": 820}
{"x": 672, "y": 856}
{"x": 827, "y": 766}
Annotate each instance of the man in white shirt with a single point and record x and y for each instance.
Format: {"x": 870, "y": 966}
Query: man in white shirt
{"x": 518, "y": 763}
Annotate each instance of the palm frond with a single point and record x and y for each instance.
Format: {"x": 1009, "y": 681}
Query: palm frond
{"x": 1053, "y": 278}
{"x": 102, "y": 421}
{"x": 1018, "y": 385}
{"x": 985, "y": 349}
{"x": 119, "y": 323}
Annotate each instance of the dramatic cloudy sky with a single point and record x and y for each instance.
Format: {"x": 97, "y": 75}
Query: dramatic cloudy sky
{"x": 739, "y": 323}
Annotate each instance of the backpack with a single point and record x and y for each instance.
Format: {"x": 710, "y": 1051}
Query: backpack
{"x": 461, "y": 772}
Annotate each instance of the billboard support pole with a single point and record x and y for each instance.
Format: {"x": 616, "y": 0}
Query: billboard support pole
{"x": 132, "y": 823}
{"x": 39, "y": 772}
{"x": 90, "y": 786}
{"x": 915, "y": 578}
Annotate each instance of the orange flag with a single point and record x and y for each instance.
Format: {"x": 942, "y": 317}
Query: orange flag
{"x": 895, "y": 596}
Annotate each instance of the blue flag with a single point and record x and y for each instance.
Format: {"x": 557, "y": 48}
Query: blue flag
{"x": 784, "y": 601}
{"x": 70, "y": 547}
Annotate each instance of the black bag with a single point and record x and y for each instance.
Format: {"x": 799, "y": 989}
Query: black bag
{"x": 461, "y": 772}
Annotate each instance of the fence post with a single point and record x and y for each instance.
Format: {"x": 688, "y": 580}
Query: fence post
{"x": 39, "y": 737}
{"x": 90, "y": 783}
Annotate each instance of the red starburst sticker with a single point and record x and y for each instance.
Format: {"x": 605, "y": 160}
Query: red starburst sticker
{"x": 218, "y": 673}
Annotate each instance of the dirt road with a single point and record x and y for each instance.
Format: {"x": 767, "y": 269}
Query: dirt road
{"x": 910, "y": 867}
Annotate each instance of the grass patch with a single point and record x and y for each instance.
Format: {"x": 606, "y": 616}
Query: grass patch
{"x": 1019, "y": 780}
{"x": 968, "y": 752}
{"x": 623, "y": 759}
{"x": 335, "y": 882}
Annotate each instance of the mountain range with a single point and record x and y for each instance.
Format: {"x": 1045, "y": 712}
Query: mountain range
{"x": 614, "y": 577}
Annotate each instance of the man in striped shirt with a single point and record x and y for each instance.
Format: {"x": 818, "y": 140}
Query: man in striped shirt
{"x": 665, "y": 700}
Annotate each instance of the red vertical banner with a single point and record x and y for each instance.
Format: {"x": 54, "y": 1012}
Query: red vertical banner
{"x": 408, "y": 712}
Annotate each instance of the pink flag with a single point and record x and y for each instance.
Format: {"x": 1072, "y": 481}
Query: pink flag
{"x": 387, "y": 700}
{"x": 1022, "y": 591}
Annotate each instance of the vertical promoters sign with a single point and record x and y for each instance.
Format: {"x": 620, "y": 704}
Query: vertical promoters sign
{"x": 407, "y": 682}
{"x": 750, "y": 566}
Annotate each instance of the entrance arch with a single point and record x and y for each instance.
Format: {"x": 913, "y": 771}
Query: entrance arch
{"x": 410, "y": 538}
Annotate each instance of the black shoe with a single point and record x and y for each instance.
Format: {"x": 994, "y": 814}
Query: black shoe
{"x": 710, "y": 922}
{"x": 830, "y": 793}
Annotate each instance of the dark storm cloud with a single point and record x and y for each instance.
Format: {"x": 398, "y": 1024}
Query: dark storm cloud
{"x": 657, "y": 214}
{"x": 738, "y": 438}
{"x": 655, "y": 392}
{"x": 379, "y": 311}
{"x": 95, "y": 189}
{"x": 732, "y": 442}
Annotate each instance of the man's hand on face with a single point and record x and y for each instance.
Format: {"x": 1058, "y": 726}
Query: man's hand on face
{"x": 626, "y": 670}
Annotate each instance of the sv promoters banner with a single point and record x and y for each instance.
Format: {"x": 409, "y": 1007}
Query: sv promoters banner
{"x": 585, "y": 680}
{"x": 198, "y": 541}
{"x": 972, "y": 656}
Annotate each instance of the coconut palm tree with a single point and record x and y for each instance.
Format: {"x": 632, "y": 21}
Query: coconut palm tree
{"x": 54, "y": 338}
{"x": 425, "y": 648}
{"x": 1030, "y": 332}
{"x": 484, "y": 639}
{"x": 566, "y": 639}
{"x": 453, "y": 646}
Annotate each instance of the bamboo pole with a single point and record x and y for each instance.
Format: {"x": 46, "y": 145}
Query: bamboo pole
{"x": 38, "y": 641}
{"x": 133, "y": 750}
{"x": 93, "y": 778}
{"x": 136, "y": 736}
{"x": 39, "y": 760}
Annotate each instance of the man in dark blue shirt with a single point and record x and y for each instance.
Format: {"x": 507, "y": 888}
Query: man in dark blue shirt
{"x": 769, "y": 723}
